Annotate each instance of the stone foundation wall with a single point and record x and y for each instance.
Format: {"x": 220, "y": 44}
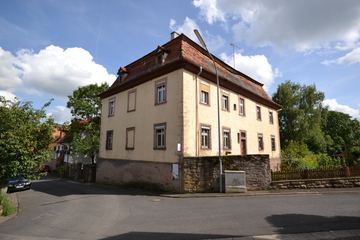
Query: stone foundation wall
{"x": 316, "y": 183}
{"x": 201, "y": 174}
{"x": 119, "y": 171}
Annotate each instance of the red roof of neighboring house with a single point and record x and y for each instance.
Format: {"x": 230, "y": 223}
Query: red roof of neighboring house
{"x": 58, "y": 136}
{"x": 182, "y": 52}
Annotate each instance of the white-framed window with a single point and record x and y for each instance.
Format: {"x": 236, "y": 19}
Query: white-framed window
{"x": 204, "y": 97}
{"x": 258, "y": 112}
{"x": 271, "y": 117}
{"x": 204, "y": 93}
{"x": 261, "y": 141}
{"x": 111, "y": 107}
{"x": 205, "y": 137}
{"x": 241, "y": 106}
{"x": 226, "y": 139}
{"x": 109, "y": 139}
{"x": 243, "y": 144}
{"x": 160, "y": 91}
{"x": 225, "y": 100}
{"x": 160, "y": 136}
{"x": 273, "y": 143}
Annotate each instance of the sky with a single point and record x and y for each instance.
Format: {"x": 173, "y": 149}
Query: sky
{"x": 50, "y": 48}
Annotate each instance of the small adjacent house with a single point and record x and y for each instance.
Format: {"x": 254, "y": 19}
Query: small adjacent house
{"x": 62, "y": 154}
{"x": 163, "y": 107}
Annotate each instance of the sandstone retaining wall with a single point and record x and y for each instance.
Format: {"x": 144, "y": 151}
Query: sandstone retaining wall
{"x": 316, "y": 183}
{"x": 201, "y": 174}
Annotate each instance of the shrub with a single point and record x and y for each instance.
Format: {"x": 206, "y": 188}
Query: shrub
{"x": 298, "y": 156}
{"x": 8, "y": 207}
{"x": 326, "y": 161}
{"x": 61, "y": 171}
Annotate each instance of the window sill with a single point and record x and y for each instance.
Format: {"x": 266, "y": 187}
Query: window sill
{"x": 164, "y": 148}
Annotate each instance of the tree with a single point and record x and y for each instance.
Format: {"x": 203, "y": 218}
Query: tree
{"x": 301, "y": 116}
{"x": 342, "y": 129}
{"x": 344, "y": 133}
{"x": 25, "y": 138}
{"x": 84, "y": 131}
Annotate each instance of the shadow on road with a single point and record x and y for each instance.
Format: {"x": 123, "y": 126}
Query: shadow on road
{"x": 301, "y": 223}
{"x": 167, "y": 236}
{"x": 65, "y": 187}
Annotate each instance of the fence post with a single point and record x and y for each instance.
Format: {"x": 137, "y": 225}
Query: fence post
{"x": 347, "y": 172}
{"x": 306, "y": 173}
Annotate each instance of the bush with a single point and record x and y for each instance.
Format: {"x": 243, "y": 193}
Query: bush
{"x": 61, "y": 171}
{"x": 326, "y": 161}
{"x": 8, "y": 207}
{"x": 298, "y": 156}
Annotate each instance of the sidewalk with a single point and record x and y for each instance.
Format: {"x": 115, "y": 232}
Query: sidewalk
{"x": 328, "y": 235}
{"x": 263, "y": 193}
{"x": 267, "y": 193}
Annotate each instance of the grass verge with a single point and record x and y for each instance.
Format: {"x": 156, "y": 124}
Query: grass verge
{"x": 6, "y": 205}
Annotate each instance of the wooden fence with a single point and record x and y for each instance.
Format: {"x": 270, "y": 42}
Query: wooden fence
{"x": 315, "y": 173}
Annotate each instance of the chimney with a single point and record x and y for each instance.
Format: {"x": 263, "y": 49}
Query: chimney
{"x": 174, "y": 35}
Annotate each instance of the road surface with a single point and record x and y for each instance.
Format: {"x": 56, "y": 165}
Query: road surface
{"x": 61, "y": 209}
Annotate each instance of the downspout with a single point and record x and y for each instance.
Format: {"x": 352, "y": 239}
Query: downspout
{"x": 197, "y": 114}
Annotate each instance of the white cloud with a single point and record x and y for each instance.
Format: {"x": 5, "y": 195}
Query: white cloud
{"x": 59, "y": 72}
{"x": 61, "y": 114}
{"x": 9, "y": 74}
{"x": 256, "y": 67}
{"x": 335, "y": 106}
{"x": 213, "y": 42}
{"x": 187, "y": 28}
{"x": 7, "y": 95}
{"x": 350, "y": 58}
{"x": 53, "y": 70}
{"x": 302, "y": 25}
{"x": 209, "y": 10}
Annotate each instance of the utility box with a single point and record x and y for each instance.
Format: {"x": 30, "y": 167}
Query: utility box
{"x": 235, "y": 181}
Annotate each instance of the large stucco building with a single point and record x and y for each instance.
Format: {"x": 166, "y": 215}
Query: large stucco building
{"x": 163, "y": 107}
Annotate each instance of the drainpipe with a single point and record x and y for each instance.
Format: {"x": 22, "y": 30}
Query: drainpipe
{"x": 197, "y": 113}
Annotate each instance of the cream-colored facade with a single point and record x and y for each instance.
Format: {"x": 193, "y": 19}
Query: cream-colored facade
{"x": 136, "y": 115}
{"x": 142, "y": 118}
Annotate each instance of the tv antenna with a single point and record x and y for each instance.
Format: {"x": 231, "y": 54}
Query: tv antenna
{"x": 234, "y": 46}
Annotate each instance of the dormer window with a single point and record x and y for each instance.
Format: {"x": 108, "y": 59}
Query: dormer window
{"x": 161, "y": 54}
{"x": 159, "y": 59}
{"x": 122, "y": 74}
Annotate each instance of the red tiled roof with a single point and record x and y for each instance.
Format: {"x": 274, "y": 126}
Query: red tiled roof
{"x": 182, "y": 52}
{"x": 58, "y": 138}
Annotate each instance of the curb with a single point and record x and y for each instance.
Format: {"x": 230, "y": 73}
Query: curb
{"x": 256, "y": 194}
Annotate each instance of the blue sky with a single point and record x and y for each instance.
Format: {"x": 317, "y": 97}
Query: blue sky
{"x": 50, "y": 48}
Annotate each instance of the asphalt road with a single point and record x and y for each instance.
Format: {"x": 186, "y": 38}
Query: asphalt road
{"x": 60, "y": 209}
